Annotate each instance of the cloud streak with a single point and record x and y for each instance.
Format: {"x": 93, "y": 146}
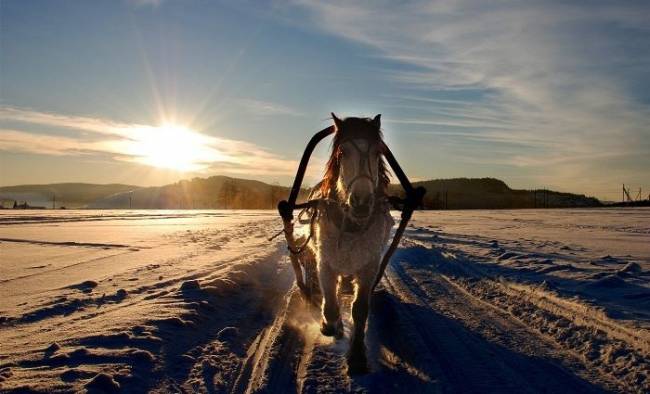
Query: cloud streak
{"x": 265, "y": 108}
{"x": 30, "y": 132}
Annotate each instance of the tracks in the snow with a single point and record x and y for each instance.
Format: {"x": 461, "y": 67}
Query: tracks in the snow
{"x": 425, "y": 334}
{"x": 476, "y": 348}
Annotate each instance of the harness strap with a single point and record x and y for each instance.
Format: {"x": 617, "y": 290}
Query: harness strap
{"x": 411, "y": 202}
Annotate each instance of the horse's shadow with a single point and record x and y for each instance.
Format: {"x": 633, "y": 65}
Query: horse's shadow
{"x": 410, "y": 347}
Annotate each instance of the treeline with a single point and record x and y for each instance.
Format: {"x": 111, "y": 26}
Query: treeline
{"x": 490, "y": 193}
{"x": 216, "y": 192}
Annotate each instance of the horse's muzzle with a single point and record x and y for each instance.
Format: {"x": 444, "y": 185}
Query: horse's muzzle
{"x": 361, "y": 205}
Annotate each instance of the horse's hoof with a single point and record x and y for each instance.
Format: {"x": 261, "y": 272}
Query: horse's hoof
{"x": 327, "y": 330}
{"x": 358, "y": 365}
{"x": 332, "y": 330}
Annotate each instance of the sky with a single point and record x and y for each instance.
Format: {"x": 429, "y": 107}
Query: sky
{"x": 147, "y": 92}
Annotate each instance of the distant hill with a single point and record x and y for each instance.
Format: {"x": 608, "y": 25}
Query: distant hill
{"x": 490, "y": 193}
{"x": 216, "y": 192}
{"x": 222, "y": 192}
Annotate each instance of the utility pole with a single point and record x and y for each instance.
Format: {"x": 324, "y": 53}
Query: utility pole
{"x": 626, "y": 194}
{"x": 53, "y": 200}
{"x": 274, "y": 191}
{"x": 130, "y": 200}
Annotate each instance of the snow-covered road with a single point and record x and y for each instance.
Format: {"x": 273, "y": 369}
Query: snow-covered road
{"x": 201, "y": 301}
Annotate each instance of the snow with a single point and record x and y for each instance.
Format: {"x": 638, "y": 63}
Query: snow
{"x": 202, "y": 301}
{"x": 601, "y": 256}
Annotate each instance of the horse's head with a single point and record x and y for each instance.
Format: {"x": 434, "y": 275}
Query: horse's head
{"x": 356, "y": 171}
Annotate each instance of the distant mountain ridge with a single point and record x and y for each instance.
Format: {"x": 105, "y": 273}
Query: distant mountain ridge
{"x": 216, "y": 192}
{"x": 491, "y": 193}
{"x": 222, "y": 192}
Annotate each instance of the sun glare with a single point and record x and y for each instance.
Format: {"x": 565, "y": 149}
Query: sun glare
{"x": 173, "y": 147}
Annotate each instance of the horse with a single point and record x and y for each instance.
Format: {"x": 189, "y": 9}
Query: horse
{"x": 352, "y": 227}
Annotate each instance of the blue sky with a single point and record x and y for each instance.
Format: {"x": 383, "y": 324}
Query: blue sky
{"x": 539, "y": 94}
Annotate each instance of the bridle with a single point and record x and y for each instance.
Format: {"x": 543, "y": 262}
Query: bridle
{"x": 407, "y": 205}
{"x": 364, "y": 161}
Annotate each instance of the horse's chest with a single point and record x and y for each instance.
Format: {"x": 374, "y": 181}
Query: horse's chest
{"x": 348, "y": 253}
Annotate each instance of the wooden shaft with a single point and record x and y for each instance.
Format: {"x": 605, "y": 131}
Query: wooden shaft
{"x": 286, "y": 207}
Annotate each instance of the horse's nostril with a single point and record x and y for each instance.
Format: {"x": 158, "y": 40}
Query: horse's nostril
{"x": 361, "y": 204}
{"x": 361, "y": 211}
{"x": 359, "y": 201}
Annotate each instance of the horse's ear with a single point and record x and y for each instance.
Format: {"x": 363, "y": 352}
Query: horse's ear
{"x": 377, "y": 121}
{"x": 337, "y": 122}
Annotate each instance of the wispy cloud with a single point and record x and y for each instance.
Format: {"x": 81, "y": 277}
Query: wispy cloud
{"x": 31, "y": 132}
{"x": 81, "y": 123}
{"x": 552, "y": 77}
{"x": 145, "y": 3}
{"x": 21, "y": 141}
{"x": 265, "y": 108}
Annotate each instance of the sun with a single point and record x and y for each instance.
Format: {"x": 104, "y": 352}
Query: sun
{"x": 173, "y": 147}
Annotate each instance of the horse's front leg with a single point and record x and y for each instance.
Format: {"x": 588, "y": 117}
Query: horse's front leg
{"x": 331, "y": 323}
{"x": 357, "y": 362}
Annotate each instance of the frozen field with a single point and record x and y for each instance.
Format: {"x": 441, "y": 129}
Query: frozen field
{"x": 200, "y": 301}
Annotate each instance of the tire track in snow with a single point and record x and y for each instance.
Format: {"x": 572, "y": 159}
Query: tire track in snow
{"x": 604, "y": 350}
{"x": 464, "y": 362}
{"x": 479, "y": 350}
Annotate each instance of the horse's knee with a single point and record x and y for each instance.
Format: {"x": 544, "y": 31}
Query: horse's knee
{"x": 361, "y": 304}
{"x": 360, "y": 307}
{"x": 328, "y": 281}
{"x": 359, "y": 316}
{"x": 331, "y": 324}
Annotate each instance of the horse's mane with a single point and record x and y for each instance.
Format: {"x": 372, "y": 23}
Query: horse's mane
{"x": 353, "y": 128}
